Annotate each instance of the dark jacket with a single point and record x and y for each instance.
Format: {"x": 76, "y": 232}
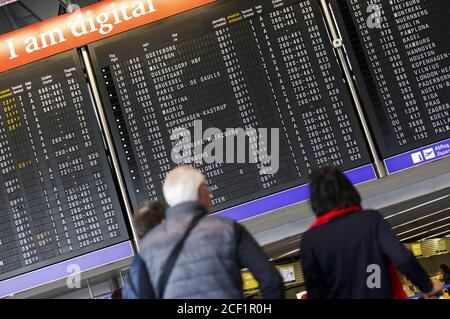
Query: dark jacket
{"x": 446, "y": 277}
{"x": 336, "y": 257}
{"x": 208, "y": 267}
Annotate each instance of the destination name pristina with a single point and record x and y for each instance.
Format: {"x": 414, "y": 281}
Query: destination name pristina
{"x": 82, "y": 23}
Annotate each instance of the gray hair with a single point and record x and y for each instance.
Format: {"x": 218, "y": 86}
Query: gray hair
{"x": 181, "y": 185}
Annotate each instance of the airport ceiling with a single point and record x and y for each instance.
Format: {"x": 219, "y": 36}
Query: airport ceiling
{"x": 5, "y": 2}
{"x": 21, "y": 13}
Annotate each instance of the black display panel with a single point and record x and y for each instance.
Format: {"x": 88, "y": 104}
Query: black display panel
{"x": 57, "y": 195}
{"x": 401, "y": 66}
{"x": 260, "y": 64}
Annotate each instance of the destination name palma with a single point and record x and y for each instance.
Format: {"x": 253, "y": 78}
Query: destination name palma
{"x": 81, "y": 23}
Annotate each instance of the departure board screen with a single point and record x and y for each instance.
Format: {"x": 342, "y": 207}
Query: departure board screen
{"x": 400, "y": 54}
{"x": 230, "y": 64}
{"x": 57, "y": 195}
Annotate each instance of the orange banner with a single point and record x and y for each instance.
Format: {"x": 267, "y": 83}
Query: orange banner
{"x": 84, "y": 26}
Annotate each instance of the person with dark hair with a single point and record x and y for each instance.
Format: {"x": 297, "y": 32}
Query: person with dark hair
{"x": 351, "y": 253}
{"x": 117, "y": 294}
{"x": 147, "y": 216}
{"x": 445, "y": 274}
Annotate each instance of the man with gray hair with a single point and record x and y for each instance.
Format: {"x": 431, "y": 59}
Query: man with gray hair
{"x": 194, "y": 255}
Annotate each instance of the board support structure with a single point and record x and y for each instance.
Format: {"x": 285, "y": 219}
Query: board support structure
{"x": 109, "y": 140}
{"x": 338, "y": 45}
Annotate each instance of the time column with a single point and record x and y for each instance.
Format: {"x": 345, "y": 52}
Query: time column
{"x": 17, "y": 211}
{"x": 9, "y": 250}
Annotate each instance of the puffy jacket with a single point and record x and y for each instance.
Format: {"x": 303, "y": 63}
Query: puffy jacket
{"x": 209, "y": 264}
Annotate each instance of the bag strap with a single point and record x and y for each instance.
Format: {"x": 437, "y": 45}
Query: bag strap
{"x": 172, "y": 259}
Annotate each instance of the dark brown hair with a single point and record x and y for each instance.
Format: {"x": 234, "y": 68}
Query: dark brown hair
{"x": 117, "y": 294}
{"x": 147, "y": 216}
{"x": 445, "y": 269}
{"x": 331, "y": 189}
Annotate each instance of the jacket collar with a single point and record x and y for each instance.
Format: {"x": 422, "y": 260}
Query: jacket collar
{"x": 187, "y": 208}
{"x": 335, "y": 213}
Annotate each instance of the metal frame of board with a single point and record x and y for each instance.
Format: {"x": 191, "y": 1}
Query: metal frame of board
{"x": 61, "y": 272}
{"x": 339, "y": 47}
{"x": 100, "y": 108}
{"x": 289, "y": 197}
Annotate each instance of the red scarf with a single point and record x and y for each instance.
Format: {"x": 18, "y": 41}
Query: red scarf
{"x": 397, "y": 286}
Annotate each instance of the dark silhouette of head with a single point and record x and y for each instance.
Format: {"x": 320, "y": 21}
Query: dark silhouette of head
{"x": 117, "y": 294}
{"x": 331, "y": 189}
{"x": 445, "y": 269}
{"x": 147, "y": 216}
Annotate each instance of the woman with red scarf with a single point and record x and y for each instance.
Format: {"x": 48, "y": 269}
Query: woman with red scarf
{"x": 351, "y": 253}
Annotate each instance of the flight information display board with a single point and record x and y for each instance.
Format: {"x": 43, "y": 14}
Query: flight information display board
{"x": 57, "y": 197}
{"x": 231, "y": 64}
{"x": 400, "y": 54}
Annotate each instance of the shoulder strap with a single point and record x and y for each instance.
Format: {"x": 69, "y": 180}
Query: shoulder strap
{"x": 172, "y": 259}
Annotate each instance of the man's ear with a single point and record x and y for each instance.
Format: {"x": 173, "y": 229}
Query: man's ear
{"x": 203, "y": 196}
